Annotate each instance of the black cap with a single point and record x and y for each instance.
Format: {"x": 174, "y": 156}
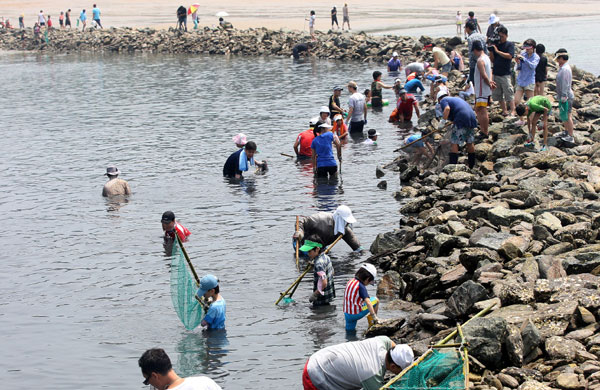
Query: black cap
{"x": 477, "y": 45}
{"x": 167, "y": 217}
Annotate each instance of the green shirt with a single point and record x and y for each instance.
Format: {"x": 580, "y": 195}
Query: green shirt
{"x": 538, "y": 103}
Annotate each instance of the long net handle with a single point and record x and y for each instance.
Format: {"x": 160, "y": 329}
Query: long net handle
{"x": 297, "y": 244}
{"x": 187, "y": 258}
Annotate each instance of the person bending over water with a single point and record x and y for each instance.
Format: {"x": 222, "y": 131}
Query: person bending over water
{"x": 326, "y": 227}
{"x": 241, "y": 160}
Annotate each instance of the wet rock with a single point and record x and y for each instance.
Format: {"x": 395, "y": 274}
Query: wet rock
{"x": 508, "y": 380}
{"x": 419, "y": 287}
{"x": 464, "y": 297}
{"x": 443, "y": 244}
{"x": 514, "y": 247}
{"x": 385, "y": 328}
{"x": 486, "y": 337}
{"x": 394, "y": 240}
{"x": 379, "y": 173}
{"x": 530, "y": 337}
{"x": 533, "y": 385}
{"x": 391, "y": 285}
{"x": 382, "y": 185}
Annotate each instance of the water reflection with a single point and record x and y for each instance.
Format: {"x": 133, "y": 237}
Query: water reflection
{"x": 321, "y": 318}
{"x": 324, "y": 193}
{"x": 114, "y": 203}
{"x": 202, "y": 352}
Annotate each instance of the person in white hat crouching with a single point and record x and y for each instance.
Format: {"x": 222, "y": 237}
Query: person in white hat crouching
{"x": 356, "y": 365}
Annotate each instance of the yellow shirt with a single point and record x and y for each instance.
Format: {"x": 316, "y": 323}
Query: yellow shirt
{"x": 440, "y": 55}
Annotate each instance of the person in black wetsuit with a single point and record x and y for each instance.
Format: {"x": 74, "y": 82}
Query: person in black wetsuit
{"x": 299, "y": 48}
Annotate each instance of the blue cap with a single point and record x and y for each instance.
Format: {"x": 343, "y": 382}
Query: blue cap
{"x": 207, "y": 282}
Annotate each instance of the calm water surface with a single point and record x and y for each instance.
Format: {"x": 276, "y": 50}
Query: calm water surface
{"x": 85, "y": 281}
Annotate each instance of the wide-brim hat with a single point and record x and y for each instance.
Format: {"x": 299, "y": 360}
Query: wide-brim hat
{"x": 112, "y": 171}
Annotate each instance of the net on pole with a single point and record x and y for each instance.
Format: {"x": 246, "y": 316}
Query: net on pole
{"x": 183, "y": 291}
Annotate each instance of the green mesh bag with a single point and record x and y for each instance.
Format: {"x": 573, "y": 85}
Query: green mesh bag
{"x": 183, "y": 291}
{"x": 441, "y": 370}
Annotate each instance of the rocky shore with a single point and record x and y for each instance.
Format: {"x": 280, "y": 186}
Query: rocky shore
{"x": 522, "y": 231}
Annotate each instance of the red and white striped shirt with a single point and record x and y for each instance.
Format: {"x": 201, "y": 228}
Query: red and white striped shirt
{"x": 352, "y": 299}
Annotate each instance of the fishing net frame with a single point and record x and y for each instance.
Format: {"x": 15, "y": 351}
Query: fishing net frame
{"x": 184, "y": 285}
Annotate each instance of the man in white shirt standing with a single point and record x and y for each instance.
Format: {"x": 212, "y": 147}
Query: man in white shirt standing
{"x": 41, "y": 18}
{"x": 346, "y": 17}
{"x": 483, "y": 88}
{"x": 158, "y": 372}
{"x": 357, "y": 109}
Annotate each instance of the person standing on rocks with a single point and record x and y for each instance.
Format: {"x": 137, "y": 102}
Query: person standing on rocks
{"x": 41, "y": 19}
{"x": 464, "y": 123}
{"x": 564, "y": 93}
{"x": 96, "y": 15}
{"x": 527, "y": 61}
{"x": 357, "y": 109}
{"x": 115, "y": 186}
{"x": 541, "y": 71}
{"x": 334, "y": 18}
{"x": 83, "y": 18}
{"x": 22, "y": 21}
{"x": 182, "y": 18}
{"x": 345, "y": 16}
{"x": 501, "y": 54}
{"x": 61, "y": 20}
{"x": 472, "y": 36}
{"x": 68, "y": 18}
{"x": 474, "y": 21}
{"x": 484, "y": 85}
{"x": 311, "y": 25}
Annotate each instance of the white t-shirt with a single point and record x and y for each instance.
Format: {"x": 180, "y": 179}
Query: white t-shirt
{"x": 311, "y": 22}
{"x": 198, "y": 383}
{"x": 349, "y": 366}
{"x": 357, "y": 102}
{"x": 483, "y": 90}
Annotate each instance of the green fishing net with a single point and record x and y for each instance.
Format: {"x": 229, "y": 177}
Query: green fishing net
{"x": 441, "y": 370}
{"x": 183, "y": 291}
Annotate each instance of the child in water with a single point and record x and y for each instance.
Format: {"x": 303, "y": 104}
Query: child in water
{"x": 357, "y": 303}
{"x": 215, "y": 315}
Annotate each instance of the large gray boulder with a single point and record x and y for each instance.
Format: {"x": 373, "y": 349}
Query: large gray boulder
{"x": 559, "y": 348}
{"x": 464, "y": 297}
{"x": 470, "y": 258}
{"x": 505, "y": 217}
{"x": 486, "y": 336}
{"x": 394, "y": 240}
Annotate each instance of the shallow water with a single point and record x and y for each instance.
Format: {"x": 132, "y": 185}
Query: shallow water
{"x": 85, "y": 281}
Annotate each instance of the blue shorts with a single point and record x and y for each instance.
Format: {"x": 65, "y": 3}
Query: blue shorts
{"x": 352, "y": 319}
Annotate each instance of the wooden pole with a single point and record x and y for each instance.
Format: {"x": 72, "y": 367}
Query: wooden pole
{"x": 187, "y": 258}
{"x": 294, "y": 285}
{"x": 287, "y": 155}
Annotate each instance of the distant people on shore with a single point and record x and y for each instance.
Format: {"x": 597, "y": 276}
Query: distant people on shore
{"x": 83, "y": 19}
{"x": 311, "y": 24}
{"x": 61, "y": 20}
{"x": 48, "y": 22}
{"x": 334, "y": 18}
{"x": 22, "y": 21}
{"x": 458, "y": 24}
{"x": 41, "y": 19}
{"x": 501, "y": 54}
{"x": 68, "y": 18}
{"x": 181, "y": 18}
{"x": 158, "y": 371}
{"x": 301, "y": 48}
{"x": 564, "y": 93}
{"x": 541, "y": 70}
{"x": 115, "y": 186}
{"x": 96, "y": 15}
{"x": 345, "y": 16}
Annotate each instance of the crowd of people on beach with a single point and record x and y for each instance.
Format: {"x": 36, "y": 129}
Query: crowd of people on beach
{"x": 45, "y": 21}
{"x": 489, "y": 77}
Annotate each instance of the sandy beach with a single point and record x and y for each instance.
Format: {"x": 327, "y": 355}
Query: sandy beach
{"x": 370, "y": 16}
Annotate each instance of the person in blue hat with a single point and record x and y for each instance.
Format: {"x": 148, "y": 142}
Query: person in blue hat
{"x": 215, "y": 315}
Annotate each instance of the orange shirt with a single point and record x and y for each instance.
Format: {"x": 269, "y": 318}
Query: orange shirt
{"x": 340, "y": 130}
{"x": 306, "y": 139}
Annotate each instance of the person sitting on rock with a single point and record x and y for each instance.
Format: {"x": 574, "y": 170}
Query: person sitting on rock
{"x": 326, "y": 227}
{"x": 115, "y": 186}
{"x": 535, "y": 108}
{"x": 464, "y": 123}
{"x": 225, "y": 25}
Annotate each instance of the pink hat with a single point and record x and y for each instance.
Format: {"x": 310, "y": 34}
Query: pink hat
{"x": 239, "y": 139}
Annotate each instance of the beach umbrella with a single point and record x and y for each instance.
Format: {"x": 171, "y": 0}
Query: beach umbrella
{"x": 193, "y": 8}
{"x": 221, "y": 14}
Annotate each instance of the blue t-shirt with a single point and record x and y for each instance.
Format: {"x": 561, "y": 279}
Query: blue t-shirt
{"x": 83, "y": 16}
{"x": 414, "y": 85}
{"x": 461, "y": 112}
{"x": 394, "y": 64}
{"x": 362, "y": 291}
{"x": 96, "y": 13}
{"x": 322, "y": 146}
{"x": 215, "y": 316}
